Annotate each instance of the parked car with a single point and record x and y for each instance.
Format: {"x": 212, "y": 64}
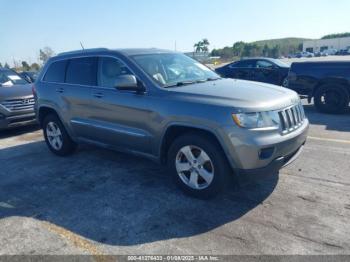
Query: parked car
{"x": 170, "y": 108}
{"x": 267, "y": 70}
{"x": 304, "y": 54}
{"x": 16, "y": 100}
{"x": 331, "y": 51}
{"x": 343, "y": 52}
{"x": 328, "y": 83}
{"x": 30, "y": 76}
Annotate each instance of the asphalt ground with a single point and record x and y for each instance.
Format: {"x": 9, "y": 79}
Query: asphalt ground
{"x": 98, "y": 202}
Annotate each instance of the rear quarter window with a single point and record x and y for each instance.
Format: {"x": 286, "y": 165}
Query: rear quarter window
{"x": 56, "y": 72}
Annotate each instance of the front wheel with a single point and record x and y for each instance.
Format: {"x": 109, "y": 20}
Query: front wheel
{"x": 198, "y": 165}
{"x": 333, "y": 99}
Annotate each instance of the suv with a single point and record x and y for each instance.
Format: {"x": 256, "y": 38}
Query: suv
{"x": 166, "y": 106}
{"x": 16, "y": 100}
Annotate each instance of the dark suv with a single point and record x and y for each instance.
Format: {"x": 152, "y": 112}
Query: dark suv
{"x": 170, "y": 108}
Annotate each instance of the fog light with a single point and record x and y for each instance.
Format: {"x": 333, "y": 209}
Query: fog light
{"x": 266, "y": 153}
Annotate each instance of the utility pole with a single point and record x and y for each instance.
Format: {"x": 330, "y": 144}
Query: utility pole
{"x": 175, "y": 45}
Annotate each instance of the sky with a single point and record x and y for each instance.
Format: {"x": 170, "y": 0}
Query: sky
{"x": 28, "y": 25}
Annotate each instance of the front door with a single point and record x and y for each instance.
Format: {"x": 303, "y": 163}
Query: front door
{"x": 120, "y": 118}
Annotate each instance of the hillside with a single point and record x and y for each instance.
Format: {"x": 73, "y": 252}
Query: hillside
{"x": 282, "y": 42}
{"x": 271, "y": 48}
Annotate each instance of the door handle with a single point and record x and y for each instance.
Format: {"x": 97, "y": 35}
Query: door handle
{"x": 98, "y": 95}
{"x": 60, "y": 90}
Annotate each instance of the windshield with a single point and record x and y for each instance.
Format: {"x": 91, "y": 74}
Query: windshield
{"x": 174, "y": 69}
{"x": 9, "y": 78}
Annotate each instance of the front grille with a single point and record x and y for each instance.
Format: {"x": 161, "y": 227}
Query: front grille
{"x": 291, "y": 118}
{"x": 19, "y": 104}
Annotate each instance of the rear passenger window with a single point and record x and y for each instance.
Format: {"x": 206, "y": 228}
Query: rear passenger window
{"x": 82, "y": 71}
{"x": 55, "y": 72}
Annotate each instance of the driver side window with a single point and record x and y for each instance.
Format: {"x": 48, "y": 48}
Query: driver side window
{"x": 109, "y": 69}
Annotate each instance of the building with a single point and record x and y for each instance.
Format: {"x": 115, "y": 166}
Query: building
{"x": 320, "y": 45}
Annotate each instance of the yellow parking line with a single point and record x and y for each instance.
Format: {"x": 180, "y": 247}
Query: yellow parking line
{"x": 329, "y": 139}
{"x": 77, "y": 241}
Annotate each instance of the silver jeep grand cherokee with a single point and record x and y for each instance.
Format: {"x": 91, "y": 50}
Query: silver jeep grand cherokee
{"x": 165, "y": 106}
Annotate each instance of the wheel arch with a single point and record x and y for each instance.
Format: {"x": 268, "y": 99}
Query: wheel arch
{"x": 174, "y": 131}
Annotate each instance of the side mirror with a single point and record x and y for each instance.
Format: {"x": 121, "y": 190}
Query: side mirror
{"x": 129, "y": 83}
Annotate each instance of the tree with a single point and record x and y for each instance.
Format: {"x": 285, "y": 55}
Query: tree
{"x": 45, "y": 54}
{"x": 266, "y": 50}
{"x": 35, "y": 67}
{"x": 331, "y": 36}
{"x": 202, "y": 46}
{"x": 238, "y": 48}
{"x": 7, "y": 66}
{"x": 275, "y": 51}
{"x": 0, "y": 65}
{"x": 25, "y": 66}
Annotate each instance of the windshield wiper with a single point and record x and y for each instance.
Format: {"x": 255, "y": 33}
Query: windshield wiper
{"x": 181, "y": 83}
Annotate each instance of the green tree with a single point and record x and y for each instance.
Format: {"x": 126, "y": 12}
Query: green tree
{"x": 331, "y": 36}
{"x": 34, "y": 67}
{"x": 6, "y": 65}
{"x": 276, "y": 52}
{"x": 25, "y": 66}
{"x": 266, "y": 50}
{"x": 45, "y": 54}
{"x": 202, "y": 46}
{"x": 0, "y": 65}
{"x": 238, "y": 48}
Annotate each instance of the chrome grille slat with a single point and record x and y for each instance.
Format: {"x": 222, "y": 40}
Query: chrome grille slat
{"x": 18, "y": 104}
{"x": 291, "y": 118}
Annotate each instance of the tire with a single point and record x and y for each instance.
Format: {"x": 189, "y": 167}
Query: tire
{"x": 332, "y": 99}
{"x": 54, "y": 132}
{"x": 212, "y": 164}
{"x": 285, "y": 82}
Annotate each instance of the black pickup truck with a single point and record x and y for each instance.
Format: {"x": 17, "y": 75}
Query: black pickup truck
{"x": 328, "y": 83}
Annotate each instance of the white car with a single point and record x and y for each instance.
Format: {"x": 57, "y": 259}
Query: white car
{"x": 331, "y": 51}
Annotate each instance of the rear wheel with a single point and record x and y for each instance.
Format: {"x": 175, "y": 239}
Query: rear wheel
{"x": 333, "y": 99}
{"x": 56, "y": 136}
{"x": 198, "y": 165}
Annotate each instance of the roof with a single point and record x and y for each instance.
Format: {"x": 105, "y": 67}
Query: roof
{"x": 255, "y": 58}
{"x": 125, "y": 51}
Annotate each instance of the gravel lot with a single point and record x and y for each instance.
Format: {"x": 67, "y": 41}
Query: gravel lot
{"x": 102, "y": 202}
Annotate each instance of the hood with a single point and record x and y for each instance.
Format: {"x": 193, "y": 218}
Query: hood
{"x": 239, "y": 94}
{"x": 15, "y": 91}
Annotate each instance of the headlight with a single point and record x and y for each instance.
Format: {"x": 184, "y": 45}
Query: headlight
{"x": 259, "y": 120}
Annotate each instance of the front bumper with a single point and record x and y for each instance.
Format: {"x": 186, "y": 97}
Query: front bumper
{"x": 274, "y": 166}
{"x": 17, "y": 120}
{"x": 263, "y": 151}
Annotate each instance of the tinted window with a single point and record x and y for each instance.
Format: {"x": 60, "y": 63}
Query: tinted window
{"x": 264, "y": 64}
{"x": 82, "y": 71}
{"x": 244, "y": 63}
{"x": 109, "y": 70}
{"x": 56, "y": 71}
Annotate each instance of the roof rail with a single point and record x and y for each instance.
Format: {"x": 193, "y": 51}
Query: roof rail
{"x": 81, "y": 51}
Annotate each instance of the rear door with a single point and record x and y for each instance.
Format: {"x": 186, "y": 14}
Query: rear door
{"x": 81, "y": 77}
